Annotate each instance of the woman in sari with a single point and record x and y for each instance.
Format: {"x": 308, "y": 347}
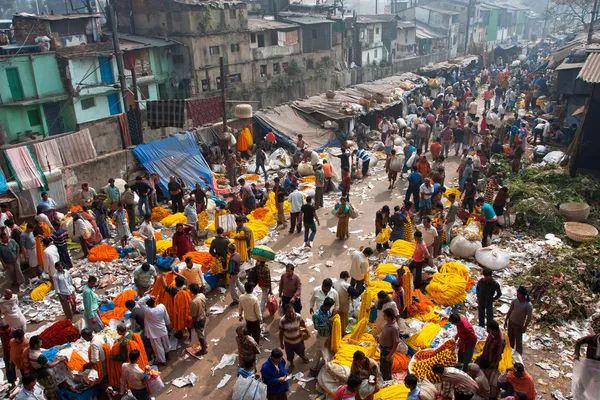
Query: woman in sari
{"x": 41, "y": 231}
{"x": 342, "y": 210}
{"x": 96, "y": 236}
{"x": 100, "y": 213}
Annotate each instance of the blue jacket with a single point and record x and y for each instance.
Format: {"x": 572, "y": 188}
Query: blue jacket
{"x": 270, "y": 375}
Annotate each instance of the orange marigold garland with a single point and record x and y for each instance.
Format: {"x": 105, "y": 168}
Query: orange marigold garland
{"x": 122, "y": 297}
{"x": 103, "y": 252}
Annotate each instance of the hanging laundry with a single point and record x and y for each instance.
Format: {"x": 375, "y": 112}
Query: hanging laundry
{"x": 48, "y": 155}
{"x": 163, "y": 113}
{"x": 135, "y": 131}
{"x": 77, "y": 147}
{"x": 24, "y": 167}
{"x": 202, "y": 111}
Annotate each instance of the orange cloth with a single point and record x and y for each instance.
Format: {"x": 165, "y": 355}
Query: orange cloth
{"x": 271, "y": 137}
{"x": 327, "y": 170}
{"x": 245, "y": 140}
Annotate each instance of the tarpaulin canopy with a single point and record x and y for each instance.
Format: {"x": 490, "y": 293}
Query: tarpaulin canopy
{"x": 285, "y": 120}
{"x": 176, "y": 155}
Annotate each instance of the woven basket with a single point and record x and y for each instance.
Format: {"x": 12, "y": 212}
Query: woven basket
{"x": 575, "y": 211}
{"x": 580, "y": 232}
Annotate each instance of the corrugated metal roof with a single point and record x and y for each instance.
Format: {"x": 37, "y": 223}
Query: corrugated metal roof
{"x": 590, "y": 72}
{"x": 258, "y": 24}
{"x": 566, "y": 65}
{"x": 425, "y": 31}
{"x": 147, "y": 41}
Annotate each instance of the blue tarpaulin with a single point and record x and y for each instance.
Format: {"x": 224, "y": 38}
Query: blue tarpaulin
{"x": 3, "y": 184}
{"x": 177, "y": 155}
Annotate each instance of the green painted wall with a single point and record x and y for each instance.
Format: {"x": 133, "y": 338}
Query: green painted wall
{"x": 19, "y": 119}
{"x": 42, "y": 66}
{"x": 492, "y": 29}
{"x": 163, "y": 70}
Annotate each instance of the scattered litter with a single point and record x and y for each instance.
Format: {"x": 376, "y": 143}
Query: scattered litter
{"x": 190, "y": 379}
{"x": 311, "y": 280}
{"x": 224, "y": 381}
{"x": 227, "y": 359}
{"x": 216, "y": 310}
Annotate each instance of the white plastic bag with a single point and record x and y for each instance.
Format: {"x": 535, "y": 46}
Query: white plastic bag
{"x": 492, "y": 258}
{"x": 366, "y": 389}
{"x": 137, "y": 244}
{"x": 411, "y": 161}
{"x": 554, "y": 157}
{"x": 586, "y": 379}
{"x": 305, "y": 169}
{"x": 227, "y": 222}
{"x": 461, "y": 247}
{"x": 249, "y": 389}
{"x": 331, "y": 376}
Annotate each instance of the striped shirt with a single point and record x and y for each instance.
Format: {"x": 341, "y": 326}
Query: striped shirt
{"x": 291, "y": 328}
{"x": 363, "y": 155}
{"x": 60, "y": 237}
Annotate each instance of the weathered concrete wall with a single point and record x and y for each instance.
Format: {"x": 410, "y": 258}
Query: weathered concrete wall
{"x": 119, "y": 164}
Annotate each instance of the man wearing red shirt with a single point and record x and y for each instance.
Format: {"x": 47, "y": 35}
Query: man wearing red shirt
{"x": 182, "y": 240}
{"x": 419, "y": 257}
{"x": 466, "y": 339}
{"x": 436, "y": 148}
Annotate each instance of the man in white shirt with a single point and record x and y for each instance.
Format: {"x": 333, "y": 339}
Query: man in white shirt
{"x": 359, "y": 266}
{"x": 51, "y": 257}
{"x": 146, "y": 232}
{"x": 156, "y": 321}
{"x": 546, "y": 132}
{"x": 345, "y": 295}
{"x": 31, "y": 389}
{"x": 429, "y": 233}
{"x": 320, "y": 293}
{"x": 96, "y": 350}
{"x": 144, "y": 277}
{"x": 296, "y": 200}
{"x": 473, "y": 110}
{"x": 249, "y": 310}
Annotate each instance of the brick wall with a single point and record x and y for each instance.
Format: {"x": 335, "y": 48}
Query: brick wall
{"x": 27, "y": 29}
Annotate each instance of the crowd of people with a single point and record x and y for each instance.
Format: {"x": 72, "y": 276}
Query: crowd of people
{"x": 443, "y": 120}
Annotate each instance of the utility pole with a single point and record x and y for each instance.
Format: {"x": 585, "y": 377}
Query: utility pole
{"x": 223, "y": 99}
{"x": 591, "y": 29}
{"x": 118, "y": 54}
{"x": 468, "y": 26}
{"x": 376, "y": 6}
